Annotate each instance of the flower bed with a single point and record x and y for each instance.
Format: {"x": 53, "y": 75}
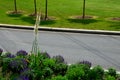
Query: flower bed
{"x": 24, "y": 66}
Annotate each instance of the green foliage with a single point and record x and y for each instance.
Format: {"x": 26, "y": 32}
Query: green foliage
{"x": 112, "y": 72}
{"x": 16, "y": 65}
{"x": 87, "y": 63}
{"x": 1, "y": 61}
{"x": 49, "y": 63}
{"x": 2, "y": 78}
{"x": 47, "y": 72}
{"x": 45, "y": 55}
{"x": 75, "y": 72}
{"x": 96, "y": 73}
{"x": 1, "y": 50}
{"x": 82, "y": 73}
{"x": 59, "y": 78}
{"x": 110, "y": 78}
{"x": 59, "y": 59}
{"x": 40, "y": 67}
{"x": 5, "y": 66}
{"x": 60, "y": 69}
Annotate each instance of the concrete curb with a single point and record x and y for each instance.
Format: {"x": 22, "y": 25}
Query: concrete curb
{"x": 62, "y": 29}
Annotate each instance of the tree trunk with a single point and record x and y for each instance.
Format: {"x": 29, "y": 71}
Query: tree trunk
{"x": 35, "y": 13}
{"x": 15, "y": 6}
{"x": 83, "y": 9}
{"x": 46, "y": 11}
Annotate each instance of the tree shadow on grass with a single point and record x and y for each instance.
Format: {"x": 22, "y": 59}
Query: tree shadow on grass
{"x": 47, "y": 22}
{"x": 83, "y": 21}
{"x": 32, "y": 20}
{"x": 28, "y": 19}
{"x": 14, "y": 15}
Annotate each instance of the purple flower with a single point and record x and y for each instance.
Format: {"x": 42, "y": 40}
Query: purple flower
{"x": 1, "y": 50}
{"x": 26, "y": 73}
{"x": 59, "y": 59}
{"x": 21, "y": 53}
{"x": 45, "y": 55}
{"x": 86, "y": 63}
{"x": 18, "y": 64}
{"x": 9, "y": 55}
{"x": 24, "y": 77}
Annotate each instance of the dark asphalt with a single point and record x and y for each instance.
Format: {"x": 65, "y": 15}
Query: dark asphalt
{"x": 99, "y": 49}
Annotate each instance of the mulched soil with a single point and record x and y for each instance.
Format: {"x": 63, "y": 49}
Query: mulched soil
{"x": 14, "y": 12}
{"x": 116, "y": 18}
{"x": 43, "y": 17}
{"x": 81, "y": 17}
{"x": 49, "y": 18}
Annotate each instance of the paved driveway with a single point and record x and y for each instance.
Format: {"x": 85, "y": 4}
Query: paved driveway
{"x": 101, "y": 50}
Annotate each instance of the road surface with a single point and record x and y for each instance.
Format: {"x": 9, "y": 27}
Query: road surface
{"x": 101, "y": 50}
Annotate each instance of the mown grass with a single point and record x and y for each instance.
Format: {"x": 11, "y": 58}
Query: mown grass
{"x": 62, "y": 10}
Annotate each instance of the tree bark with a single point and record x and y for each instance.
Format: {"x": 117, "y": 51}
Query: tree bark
{"x": 35, "y": 7}
{"x": 46, "y": 10}
{"x": 83, "y": 9}
{"x": 15, "y": 6}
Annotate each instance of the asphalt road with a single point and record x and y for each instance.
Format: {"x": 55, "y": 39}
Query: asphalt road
{"x": 101, "y": 50}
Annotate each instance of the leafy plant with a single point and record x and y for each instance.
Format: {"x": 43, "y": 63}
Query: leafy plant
{"x": 75, "y": 72}
{"x": 8, "y": 55}
{"x": 42, "y": 67}
{"x": 5, "y": 66}
{"x": 26, "y": 73}
{"x": 49, "y": 63}
{"x": 96, "y": 73}
{"x": 59, "y": 78}
{"x": 89, "y": 64}
{"x": 60, "y": 69}
{"x": 112, "y": 72}
{"x": 110, "y": 78}
{"x": 45, "y": 55}
{"x": 21, "y": 53}
{"x": 1, "y": 50}
{"x": 47, "y": 72}
{"x": 17, "y": 65}
{"x": 59, "y": 59}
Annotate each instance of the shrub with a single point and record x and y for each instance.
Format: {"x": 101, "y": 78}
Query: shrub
{"x": 17, "y": 65}
{"x": 21, "y": 53}
{"x": 60, "y": 69}
{"x": 112, "y": 72}
{"x": 5, "y": 65}
{"x": 49, "y": 63}
{"x": 75, "y": 72}
{"x": 59, "y": 78}
{"x": 59, "y": 59}
{"x": 110, "y": 78}
{"x": 26, "y": 73}
{"x": 47, "y": 72}
{"x": 34, "y": 61}
{"x": 45, "y": 55}
{"x": 1, "y": 61}
{"x": 8, "y": 55}
{"x": 1, "y": 50}
{"x": 96, "y": 73}
{"x": 42, "y": 67}
{"x": 89, "y": 64}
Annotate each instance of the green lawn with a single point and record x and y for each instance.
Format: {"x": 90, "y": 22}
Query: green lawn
{"x": 62, "y": 10}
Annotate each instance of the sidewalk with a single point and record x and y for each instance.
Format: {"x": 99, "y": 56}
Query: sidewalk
{"x": 62, "y": 29}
